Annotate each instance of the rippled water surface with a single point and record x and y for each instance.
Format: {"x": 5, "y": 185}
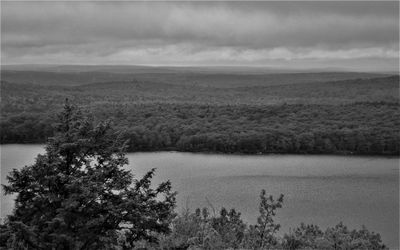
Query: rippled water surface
{"x": 318, "y": 189}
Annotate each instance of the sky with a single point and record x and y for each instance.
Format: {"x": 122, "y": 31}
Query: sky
{"x": 359, "y": 35}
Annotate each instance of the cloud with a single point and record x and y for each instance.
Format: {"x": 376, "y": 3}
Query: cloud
{"x": 197, "y": 32}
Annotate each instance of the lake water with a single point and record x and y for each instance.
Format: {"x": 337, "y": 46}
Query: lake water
{"x": 323, "y": 190}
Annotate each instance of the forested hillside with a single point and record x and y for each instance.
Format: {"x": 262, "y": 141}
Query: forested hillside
{"x": 69, "y": 76}
{"x": 350, "y": 116}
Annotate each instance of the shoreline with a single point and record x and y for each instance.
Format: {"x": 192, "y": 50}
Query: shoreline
{"x": 173, "y": 150}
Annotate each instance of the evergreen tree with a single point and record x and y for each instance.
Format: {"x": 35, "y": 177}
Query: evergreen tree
{"x": 262, "y": 235}
{"x": 78, "y": 195}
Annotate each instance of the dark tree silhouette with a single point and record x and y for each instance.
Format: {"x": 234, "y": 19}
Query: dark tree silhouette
{"x": 78, "y": 195}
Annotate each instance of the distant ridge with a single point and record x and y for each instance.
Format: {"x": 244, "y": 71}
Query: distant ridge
{"x": 141, "y": 69}
{"x": 184, "y": 78}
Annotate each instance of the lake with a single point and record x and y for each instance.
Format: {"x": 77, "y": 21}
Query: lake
{"x": 323, "y": 190}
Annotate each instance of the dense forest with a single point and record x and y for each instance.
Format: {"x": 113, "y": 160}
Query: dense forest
{"x": 350, "y": 116}
{"x": 360, "y": 128}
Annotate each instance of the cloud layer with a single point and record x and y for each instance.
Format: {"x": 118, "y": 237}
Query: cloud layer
{"x": 201, "y": 33}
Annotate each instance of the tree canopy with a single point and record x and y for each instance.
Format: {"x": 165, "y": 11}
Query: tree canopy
{"x": 79, "y": 196}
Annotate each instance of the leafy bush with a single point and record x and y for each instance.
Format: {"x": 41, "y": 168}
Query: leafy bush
{"x": 337, "y": 237}
{"x": 199, "y": 230}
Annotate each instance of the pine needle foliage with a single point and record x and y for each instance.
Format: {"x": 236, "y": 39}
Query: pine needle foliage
{"x": 78, "y": 195}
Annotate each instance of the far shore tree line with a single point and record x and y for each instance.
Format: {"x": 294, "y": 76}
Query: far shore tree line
{"x": 358, "y": 128}
{"x": 77, "y": 195}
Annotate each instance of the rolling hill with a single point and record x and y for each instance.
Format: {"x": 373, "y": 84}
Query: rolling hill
{"x": 329, "y": 112}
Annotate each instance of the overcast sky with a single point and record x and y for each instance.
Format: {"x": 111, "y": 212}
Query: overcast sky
{"x": 354, "y": 35}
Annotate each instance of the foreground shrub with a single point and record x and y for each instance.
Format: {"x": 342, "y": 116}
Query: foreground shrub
{"x": 200, "y": 230}
{"x": 337, "y": 237}
{"x": 226, "y": 230}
